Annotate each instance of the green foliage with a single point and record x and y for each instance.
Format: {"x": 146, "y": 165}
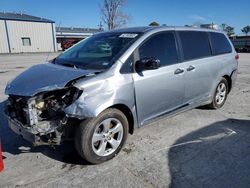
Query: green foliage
{"x": 228, "y": 29}
{"x": 246, "y": 29}
{"x": 154, "y": 24}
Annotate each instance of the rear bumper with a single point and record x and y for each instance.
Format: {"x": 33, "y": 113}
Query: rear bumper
{"x": 233, "y": 77}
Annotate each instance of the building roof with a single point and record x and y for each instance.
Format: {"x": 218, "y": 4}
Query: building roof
{"x": 76, "y": 30}
{"x": 22, "y": 17}
{"x": 240, "y": 37}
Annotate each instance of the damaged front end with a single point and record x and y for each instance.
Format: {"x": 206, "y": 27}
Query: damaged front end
{"x": 41, "y": 119}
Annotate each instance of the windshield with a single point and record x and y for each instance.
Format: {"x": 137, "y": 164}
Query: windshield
{"x": 98, "y": 51}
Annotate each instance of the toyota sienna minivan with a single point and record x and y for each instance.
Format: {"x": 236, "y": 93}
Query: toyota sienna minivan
{"x": 107, "y": 85}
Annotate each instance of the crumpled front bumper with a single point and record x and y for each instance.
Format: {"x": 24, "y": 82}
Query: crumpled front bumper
{"x": 30, "y": 134}
{"x": 26, "y": 133}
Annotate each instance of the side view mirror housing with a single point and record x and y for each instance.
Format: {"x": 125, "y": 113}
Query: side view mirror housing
{"x": 147, "y": 64}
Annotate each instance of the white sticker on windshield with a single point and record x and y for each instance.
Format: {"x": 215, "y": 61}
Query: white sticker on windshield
{"x": 128, "y": 35}
{"x": 105, "y": 63}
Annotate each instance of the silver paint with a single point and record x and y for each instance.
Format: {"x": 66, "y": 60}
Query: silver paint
{"x": 148, "y": 95}
{"x": 43, "y": 77}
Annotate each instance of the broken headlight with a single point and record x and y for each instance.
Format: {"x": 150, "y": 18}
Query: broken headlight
{"x": 51, "y": 105}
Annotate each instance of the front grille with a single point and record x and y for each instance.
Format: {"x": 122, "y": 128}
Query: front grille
{"x": 17, "y": 108}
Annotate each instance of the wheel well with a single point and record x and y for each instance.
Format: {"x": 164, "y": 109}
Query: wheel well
{"x": 229, "y": 81}
{"x": 124, "y": 109}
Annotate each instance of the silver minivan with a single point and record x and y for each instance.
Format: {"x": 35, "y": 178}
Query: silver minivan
{"x": 104, "y": 87}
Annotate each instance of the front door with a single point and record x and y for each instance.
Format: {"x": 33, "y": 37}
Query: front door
{"x": 161, "y": 90}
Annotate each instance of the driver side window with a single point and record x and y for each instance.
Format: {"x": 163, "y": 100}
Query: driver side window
{"x": 161, "y": 46}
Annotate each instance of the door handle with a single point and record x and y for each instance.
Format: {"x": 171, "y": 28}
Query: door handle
{"x": 178, "y": 71}
{"x": 190, "y": 68}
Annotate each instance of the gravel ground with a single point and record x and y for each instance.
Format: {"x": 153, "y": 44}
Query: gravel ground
{"x": 198, "y": 148}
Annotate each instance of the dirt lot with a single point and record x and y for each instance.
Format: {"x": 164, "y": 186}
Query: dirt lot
{"x": 198, "y": 148}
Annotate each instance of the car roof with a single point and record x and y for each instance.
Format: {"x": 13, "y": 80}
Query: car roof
{"x": 141, "y": 29}
{"x": 145, "y": 29}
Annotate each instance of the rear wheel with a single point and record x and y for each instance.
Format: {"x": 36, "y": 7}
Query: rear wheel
{"x": 220, "y": 94}
{"x": 101, "y": 138}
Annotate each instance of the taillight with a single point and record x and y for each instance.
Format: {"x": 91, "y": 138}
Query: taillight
{"x": 237, "y": 57}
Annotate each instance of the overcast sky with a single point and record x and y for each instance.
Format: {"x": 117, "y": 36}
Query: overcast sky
{"x": 84, "y": 13}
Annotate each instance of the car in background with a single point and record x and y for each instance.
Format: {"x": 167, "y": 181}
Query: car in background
{"x": 68, "y": 43}
{"x": 244, "y": 49}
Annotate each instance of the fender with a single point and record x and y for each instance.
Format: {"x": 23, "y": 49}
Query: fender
{"x": 100, "y": 93}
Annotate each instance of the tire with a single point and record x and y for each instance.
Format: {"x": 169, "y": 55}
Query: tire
{"x": 100, "y": 139}
{"x": 220, "y": 94}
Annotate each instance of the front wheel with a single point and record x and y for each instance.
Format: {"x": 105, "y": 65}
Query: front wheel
{"x": 100, "y": 139}
{"x": 220, "y": 94}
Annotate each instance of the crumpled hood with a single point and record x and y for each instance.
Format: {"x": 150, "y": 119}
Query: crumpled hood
{"x": 44, "y": 77}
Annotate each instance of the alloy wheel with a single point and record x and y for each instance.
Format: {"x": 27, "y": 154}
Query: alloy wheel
{"x": 107, "y": 137}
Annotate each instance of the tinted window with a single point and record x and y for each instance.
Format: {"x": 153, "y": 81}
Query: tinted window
{"x": 161, "y": 46}
{"x": 220, "y": 43}
{"x": 195, "y": 44}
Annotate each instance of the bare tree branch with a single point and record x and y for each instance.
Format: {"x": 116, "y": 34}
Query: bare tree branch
{"x": 112, "y": 15}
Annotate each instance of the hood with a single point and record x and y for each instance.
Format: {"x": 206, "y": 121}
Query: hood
{"x": 44, "y": 77}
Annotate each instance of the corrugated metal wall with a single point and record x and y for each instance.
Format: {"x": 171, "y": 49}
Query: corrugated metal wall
{"x": 41, "y": 35}
{"x": 4, "y": 48}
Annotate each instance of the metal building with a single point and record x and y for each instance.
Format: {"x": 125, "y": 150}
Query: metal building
{"x": 241, "y": 43}
{"x": 25, "y": 33}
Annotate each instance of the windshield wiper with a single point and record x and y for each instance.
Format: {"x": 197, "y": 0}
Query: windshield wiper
{"x": 56, "y": 61}
{"x": 69, "y": 65}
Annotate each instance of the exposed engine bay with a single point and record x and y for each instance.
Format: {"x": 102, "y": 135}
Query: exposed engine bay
{"x": 43, "y": 115}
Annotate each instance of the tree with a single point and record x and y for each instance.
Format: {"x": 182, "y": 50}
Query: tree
{"x": 223, "y": 26}
{"x": 154, "y": 24}
{"x": 112, "y": 15}
{"x": 246, "y": 29}
{"x": 228, "y": 29}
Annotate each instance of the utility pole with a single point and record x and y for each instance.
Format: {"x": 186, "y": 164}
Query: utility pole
{"x": 100, "y": 26}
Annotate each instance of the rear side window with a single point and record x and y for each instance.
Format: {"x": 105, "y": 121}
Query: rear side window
{"x": 161, "y": 46}
{"x": 220, "y": 43}
{"x": 195, "y": 44}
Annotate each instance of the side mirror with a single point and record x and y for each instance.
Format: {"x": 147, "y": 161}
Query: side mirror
{"x": 147, "y": 64}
